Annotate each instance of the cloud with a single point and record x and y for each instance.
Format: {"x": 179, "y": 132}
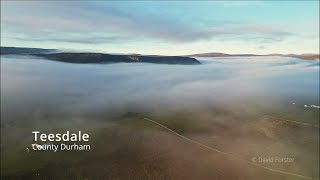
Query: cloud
{"x": 40, "y": 21}
{"x": 79, "y": 39}
{"x": 239, "y": 3}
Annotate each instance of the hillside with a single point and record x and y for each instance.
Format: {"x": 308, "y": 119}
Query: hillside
{"x": 85, "y": 58}
{"x": 108, "y": 58}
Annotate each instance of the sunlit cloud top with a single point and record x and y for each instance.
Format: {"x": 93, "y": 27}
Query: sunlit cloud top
{"x": 171, "y": 28}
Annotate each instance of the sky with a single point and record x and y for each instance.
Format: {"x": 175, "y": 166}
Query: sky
{"x": 163, "y": 27}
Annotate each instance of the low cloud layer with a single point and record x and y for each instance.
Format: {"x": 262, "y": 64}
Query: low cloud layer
{"x": 40, "y": 86}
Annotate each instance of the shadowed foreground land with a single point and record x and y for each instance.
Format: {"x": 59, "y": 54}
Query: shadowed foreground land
{"x": 135, "y": 148}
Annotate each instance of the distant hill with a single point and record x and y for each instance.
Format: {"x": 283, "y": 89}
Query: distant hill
{"x": 213, "y": 54}
{"x": 216, "y": 54}
{"x": 308, "y": 57}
